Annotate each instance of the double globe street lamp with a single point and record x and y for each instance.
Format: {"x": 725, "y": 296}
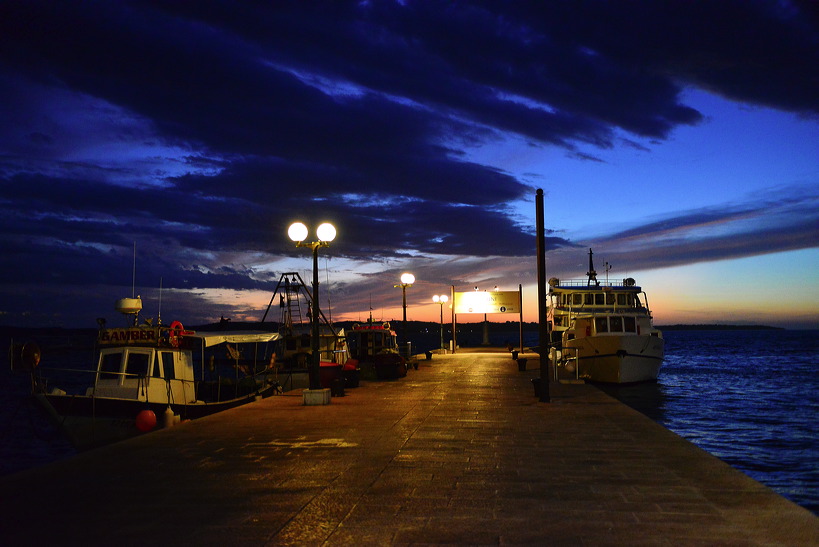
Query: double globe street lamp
{"x": 325, "y": 233}
{"x": 441, "y": 299}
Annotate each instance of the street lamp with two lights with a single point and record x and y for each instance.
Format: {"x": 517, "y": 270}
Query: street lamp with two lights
{"x": 325, "y": 233}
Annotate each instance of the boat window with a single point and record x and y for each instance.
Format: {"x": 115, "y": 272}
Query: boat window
{"x": 577, "y": 299}
{"x": 599, "y": 299}
{"x": 558, "y": 321}
{"x": 589, "y": 299}
{"x": 621, "y": 299}
{"x": 631, "y": 301}
{"x": 616, "y": 323}
{"x": 609, "y": 299}
{"x": 137, "y": 364}
{"x": 630, "y": 324}
{"x": 111, "y": 365}
{"x": 167, "y": 365}
{"x": 601, "y": 324}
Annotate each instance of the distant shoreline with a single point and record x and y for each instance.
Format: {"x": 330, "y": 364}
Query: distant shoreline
{"x": 717, "y": 327}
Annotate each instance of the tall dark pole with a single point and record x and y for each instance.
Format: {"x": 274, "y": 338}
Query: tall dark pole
{"x": 315, "y": 380}
{"x": 442, "y": 325}
{"x": 543, "y": 330}
{"x": 404, "y": 326}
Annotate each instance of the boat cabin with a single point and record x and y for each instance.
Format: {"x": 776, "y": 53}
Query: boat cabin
{"x": 144, "y": 371}
{"x": 366, "y": 341}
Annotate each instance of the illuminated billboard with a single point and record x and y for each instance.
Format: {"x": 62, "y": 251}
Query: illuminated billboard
{"x": 486, "y": 302}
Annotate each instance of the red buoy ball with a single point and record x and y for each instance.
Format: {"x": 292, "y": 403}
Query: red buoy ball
{"x": 146, "y": 420}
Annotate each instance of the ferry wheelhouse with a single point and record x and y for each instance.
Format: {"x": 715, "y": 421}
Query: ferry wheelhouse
{"x": 603, "y": 332}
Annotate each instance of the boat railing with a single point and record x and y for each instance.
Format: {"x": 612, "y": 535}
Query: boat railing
{"x": 584, "y": 283}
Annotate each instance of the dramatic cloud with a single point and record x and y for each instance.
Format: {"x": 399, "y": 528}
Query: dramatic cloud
{"x": 198, "y": 131}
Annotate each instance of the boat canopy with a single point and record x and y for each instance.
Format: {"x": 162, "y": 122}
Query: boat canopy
{"x": 235, "y": 337}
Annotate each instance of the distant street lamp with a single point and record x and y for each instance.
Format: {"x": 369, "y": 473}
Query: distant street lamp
{"x": 442, "y": 299}
{"x": 325, "y": 233}
{"x": 407, "y": 279}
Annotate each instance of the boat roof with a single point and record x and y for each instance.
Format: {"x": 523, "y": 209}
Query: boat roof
{"x": 234, "y": 337}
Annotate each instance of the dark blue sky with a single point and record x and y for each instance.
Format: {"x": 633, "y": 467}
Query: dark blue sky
{"x": 665, "y": 135}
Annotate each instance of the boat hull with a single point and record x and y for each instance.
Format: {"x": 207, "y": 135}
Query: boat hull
{"x": 618, "y": 359}
{"x": 389, "y": 366}
{"x": 89, "y": 422}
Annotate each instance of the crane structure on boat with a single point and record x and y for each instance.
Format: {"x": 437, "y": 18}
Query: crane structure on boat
{"x": 294, "y": 327}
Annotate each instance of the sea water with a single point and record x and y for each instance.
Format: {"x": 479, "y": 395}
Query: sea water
{"x": 749, "y": 397}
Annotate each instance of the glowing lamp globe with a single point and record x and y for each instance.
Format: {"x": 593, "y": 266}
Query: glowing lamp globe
{"x": 407, "y": 278}
{"x": 297, "y": 231}
{"x": 444, "y": 298}
{"x": 326, "y": 232}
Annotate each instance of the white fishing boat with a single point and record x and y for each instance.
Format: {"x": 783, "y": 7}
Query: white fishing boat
{"x": 147, "y": 377}
{"x": 603, "y": 332}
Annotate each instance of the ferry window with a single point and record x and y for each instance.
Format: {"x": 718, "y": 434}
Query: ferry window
{"x": 601, "y": 324}
{"x": 599, "y": 299}
{"x": 111, "y": 365}
{"x": 589, "y": 298}
{"x": 558, "y": 321}
{"x": 631, "y": 301}
{"x": 167, "y": 365}
{"x": 577, "y": 299}
{"x": 621, "y": 300}
{"x": 137, "y": 364}
{"x": 616, "y": 324}
{"x": 630, "y": 324}
{"x": 609, "y": 299}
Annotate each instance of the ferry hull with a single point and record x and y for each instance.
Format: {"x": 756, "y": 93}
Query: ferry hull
{"x": 619, "y": 359}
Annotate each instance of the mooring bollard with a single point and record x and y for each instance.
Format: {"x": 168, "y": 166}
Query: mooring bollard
{"x": 515, "y": 355}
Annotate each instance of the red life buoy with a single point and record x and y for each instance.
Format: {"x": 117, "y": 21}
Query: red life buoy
{"x": 174, "y": 333}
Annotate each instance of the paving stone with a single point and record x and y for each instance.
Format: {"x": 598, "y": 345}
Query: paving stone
{"x": 459, "y": 452}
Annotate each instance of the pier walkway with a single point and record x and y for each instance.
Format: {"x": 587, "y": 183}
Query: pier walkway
{"x": 458, "y": 452}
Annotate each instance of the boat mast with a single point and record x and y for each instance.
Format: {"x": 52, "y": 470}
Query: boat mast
{"x": 591, "y": 273}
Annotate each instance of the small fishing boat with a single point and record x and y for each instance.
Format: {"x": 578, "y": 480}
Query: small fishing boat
{"x": 150, "y": 376}
{"x": 603, "y": 332}
{"x": 374, "y": 346}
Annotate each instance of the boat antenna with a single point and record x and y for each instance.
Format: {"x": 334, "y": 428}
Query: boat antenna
{"x": 159, "y": 312}
{"x": 133, "y": 275}
{"x": 608, "y": 267}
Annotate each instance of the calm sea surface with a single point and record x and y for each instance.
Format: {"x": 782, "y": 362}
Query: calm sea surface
{"x": 751, "y": 398}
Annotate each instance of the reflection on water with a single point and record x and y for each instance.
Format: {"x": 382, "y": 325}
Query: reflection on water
{"x": 649, "y": 398}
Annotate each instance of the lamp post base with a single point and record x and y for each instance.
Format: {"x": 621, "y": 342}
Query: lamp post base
{"x": 315, "y": 397}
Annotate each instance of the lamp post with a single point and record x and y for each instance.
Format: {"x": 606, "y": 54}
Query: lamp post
{"x": 325, "y": 233}
{"x": 441, "y": 299}
{"x": 407, "y": 279}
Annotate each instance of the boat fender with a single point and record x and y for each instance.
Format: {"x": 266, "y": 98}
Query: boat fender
{"x": 176, "y": 330}
{"x": 146, "y": 420}
{"x": 170, "y": 419}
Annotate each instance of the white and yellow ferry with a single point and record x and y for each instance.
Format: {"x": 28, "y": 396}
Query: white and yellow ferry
{"x": 603, "y": 332}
